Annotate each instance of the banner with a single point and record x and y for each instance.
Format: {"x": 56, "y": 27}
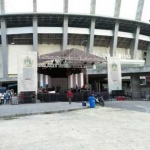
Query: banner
{"x": 114, "y": 74}
{"x": 27, "y": 71}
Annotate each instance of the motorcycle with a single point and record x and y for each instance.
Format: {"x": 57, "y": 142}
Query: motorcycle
{"x": 99, "y": 99}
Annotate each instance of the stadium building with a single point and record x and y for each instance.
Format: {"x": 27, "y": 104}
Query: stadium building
{"x": 105, "y": 28}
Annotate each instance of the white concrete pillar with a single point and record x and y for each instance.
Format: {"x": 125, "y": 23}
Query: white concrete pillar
{"x": 46, "y": 79}
{"x": 139, "y": 10}
{"x": 41, "y": 80}
{"x": 134, "y": 43}
{"x": 76, "y": 80}
{"x": 70, "y": 81}
{"x": 73, "y": 76}
{"x": 117, "y": 8}
{"x": 80, "y": 80}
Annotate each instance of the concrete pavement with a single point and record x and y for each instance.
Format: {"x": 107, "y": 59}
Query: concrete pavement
{"x": 38, "y": 108}
{"x": 140, "y": 106}
{"x": 58, "y": 107}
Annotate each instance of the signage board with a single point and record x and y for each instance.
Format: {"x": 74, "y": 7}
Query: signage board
{"x": 27, "y": 71}
{"x": 114, "y": 74}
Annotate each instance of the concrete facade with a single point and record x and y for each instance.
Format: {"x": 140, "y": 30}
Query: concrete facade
{"x": 69, "y": 31}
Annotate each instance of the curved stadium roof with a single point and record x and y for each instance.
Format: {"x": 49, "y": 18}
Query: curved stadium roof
{"x": 50, "y": 13}
{"x": 128, "y": 8}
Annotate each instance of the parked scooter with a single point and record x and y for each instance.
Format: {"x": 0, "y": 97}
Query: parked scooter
{"x": 99, "y": 99}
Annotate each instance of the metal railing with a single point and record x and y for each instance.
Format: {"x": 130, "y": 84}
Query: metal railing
{"x": 77, "y": 97}
{"x": 135, "y": 95}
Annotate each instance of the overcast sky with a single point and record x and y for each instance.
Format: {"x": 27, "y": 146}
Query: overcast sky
{"x": 103, "y": 7}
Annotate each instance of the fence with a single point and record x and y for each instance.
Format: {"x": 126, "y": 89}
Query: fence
{"x": 137, "y": 95}
{"x": 77, "y": 97}
{"x": 54, "y": 97}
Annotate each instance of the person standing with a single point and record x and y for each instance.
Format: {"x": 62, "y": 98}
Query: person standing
{"x": 53, "y": 88}
{"x": 7, "y": 97}
{"x": 76, "y": 88}
{"x": 59, "y": 88}
{"x": 69, "y": 96}
{"x": 2, "y": 98}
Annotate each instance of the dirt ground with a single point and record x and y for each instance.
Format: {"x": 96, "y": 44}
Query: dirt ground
{"x": 88, "y": 129}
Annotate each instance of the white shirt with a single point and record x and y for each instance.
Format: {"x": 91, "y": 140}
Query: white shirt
{"x": 1, "y": 96}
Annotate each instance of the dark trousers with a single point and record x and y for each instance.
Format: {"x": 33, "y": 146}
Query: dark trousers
{"x": 7, "y": 101}
{"x": 69, "y": 98}
{"x": 2, "y": 101}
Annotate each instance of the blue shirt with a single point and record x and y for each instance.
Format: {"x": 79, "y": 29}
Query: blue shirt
{"x": 7, "y": 96}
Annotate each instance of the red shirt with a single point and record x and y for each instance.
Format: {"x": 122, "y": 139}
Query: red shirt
{"x": 69, "y": 94}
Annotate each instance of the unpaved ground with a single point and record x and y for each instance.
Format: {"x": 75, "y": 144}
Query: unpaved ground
{"x": 89, "y": 129}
